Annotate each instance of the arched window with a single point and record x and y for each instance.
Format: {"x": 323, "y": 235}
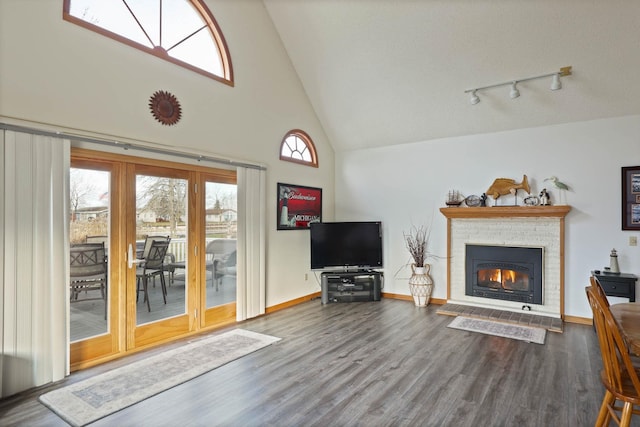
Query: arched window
{"x": 297, "y": 147}
{"x": 183, "y": 32}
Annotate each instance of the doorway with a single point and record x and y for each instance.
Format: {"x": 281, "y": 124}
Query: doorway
{"x": 168, "y": 232}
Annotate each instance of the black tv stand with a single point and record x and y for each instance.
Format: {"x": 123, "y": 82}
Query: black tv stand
{"x": 351, "y": 286}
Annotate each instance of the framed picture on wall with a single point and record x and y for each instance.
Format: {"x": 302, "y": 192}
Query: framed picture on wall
{"x": 298, "y": 206}
{"x": 631, "y": 198}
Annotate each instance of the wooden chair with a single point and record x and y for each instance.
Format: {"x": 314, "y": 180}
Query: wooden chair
{"x": 597, "y": 286}
{"x": 152, "y": 266}
{"x": 618, "y": 375}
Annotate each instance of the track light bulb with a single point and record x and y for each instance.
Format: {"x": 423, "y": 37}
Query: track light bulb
{"x": 514, "y": 91}
{"x": 474, "y": 98}
{"x": 555, "y": 83}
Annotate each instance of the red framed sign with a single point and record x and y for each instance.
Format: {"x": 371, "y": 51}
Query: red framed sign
{"x": 298, "y": 206}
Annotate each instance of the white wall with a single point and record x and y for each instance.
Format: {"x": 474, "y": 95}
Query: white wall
{"x": 407, "y": 184}
{"x": 57, "y": 75}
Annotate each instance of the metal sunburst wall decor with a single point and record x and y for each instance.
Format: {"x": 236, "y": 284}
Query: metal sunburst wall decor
{"x": 165, "y": 108}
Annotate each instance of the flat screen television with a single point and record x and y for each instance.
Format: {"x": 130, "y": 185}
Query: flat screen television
{"x": 346, "y": 245}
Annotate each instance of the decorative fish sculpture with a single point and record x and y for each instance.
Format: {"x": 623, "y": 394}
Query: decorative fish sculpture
{"x": 502, "y": 186}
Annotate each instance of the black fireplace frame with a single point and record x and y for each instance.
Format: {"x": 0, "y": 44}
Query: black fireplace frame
{"x": 520, "y": 258}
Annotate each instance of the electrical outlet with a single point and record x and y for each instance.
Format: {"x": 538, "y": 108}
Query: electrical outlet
{"x": 633, "y": 241}
{"x": 306, "y": 276}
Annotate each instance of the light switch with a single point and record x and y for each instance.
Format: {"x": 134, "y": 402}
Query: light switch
{"x": 633, "y": 241}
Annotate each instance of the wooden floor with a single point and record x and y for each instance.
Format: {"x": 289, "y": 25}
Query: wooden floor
{"x": 384, "y": 363}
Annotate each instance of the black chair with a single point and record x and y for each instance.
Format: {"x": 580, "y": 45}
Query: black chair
{"x": 152, "y": 266}
{"x": 98, "y": 239}
{"x": 147, "y": 243}
{"x": 88, "y": 272}
{"x": 144, "y": 250}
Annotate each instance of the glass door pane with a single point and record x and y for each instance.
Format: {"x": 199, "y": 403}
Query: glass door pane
{"x": 220, "y": 238}
{"x": 161, "y": 247}
{"x": 89, "y": 251}
{"x": 119, "y": 201}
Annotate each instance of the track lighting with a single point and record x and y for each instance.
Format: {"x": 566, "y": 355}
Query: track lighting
{"x": 514, "y": 92}
{"x": 474, "y": 98}
{"x": 555, "y": 83}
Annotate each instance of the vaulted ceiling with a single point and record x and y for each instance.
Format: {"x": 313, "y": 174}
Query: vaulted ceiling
{"x": 384, "y": 72}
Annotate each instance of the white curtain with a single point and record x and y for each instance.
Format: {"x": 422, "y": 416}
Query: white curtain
{"x": 33, "y": 260}
{"x": 251, "y": 293}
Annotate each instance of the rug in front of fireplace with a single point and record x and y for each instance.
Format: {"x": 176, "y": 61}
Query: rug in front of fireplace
{"x": 86, "y": 401}
{"x": 500, "y": 329}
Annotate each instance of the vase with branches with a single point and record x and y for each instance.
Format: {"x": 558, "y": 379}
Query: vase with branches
{"x": 420, "y": 284}
{"x": 416, "y": 241}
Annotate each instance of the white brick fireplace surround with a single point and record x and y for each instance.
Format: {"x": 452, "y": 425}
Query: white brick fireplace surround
{"x": 533, "y": 226}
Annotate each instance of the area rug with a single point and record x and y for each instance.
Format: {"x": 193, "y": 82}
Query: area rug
{"x": 94, "y": 398}
{"x": 500, "y": 329}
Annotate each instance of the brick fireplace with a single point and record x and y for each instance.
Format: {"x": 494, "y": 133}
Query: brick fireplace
{"x": 507, "y": 226}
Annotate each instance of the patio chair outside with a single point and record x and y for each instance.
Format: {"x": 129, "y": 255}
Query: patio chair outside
{"x": 148, "y": 240}
{"x": 153, "y": 266}
{"x": 88, "y": 273}
{"x": 218, "y": 251}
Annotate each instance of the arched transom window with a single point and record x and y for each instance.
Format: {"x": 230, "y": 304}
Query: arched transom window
{"x": 297, "y": 147}
{"x": 183, "y": 32}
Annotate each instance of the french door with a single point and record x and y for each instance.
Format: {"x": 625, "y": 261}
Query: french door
{"x": 158, "y": 209}
{"x": 144, "y": 210}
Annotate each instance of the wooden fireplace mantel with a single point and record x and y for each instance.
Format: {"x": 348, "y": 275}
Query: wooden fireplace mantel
{"x": 464, "y": 213}
{"x": 559, "y": 211}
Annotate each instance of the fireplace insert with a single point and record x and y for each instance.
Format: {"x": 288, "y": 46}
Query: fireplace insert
{"x": 512, "y": 273}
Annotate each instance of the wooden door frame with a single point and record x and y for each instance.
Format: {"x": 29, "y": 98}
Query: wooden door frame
{"x": 165, "y": 329}
{"x": 123, "y": 338}
{"x": 82, "y": 353}
{"x": 223, "y": 314}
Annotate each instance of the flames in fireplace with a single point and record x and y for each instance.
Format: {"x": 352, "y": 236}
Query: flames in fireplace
{"x": 498, "y": 278}
{"x": 512, "y": 273}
